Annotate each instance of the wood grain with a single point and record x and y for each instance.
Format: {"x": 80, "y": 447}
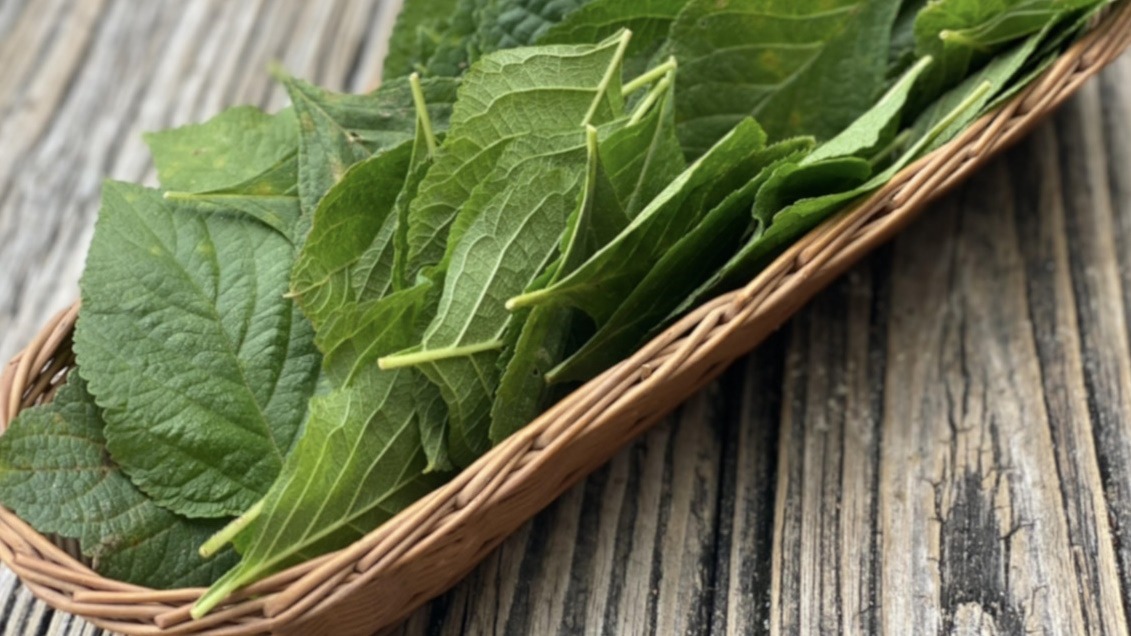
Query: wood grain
{"x": 938, "y": 443}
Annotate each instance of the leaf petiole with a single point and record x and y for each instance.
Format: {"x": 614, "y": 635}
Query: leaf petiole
{"x": 614, "y": 67}
{"x": 400, "y": 360}
{"x": 649, "y": 76}
{"x": 652, "y": 97}
{"x": 890, "y": 149}
{"x": 529, "y": 299}
{"x": 222, "y": 538}
{"x": 958, "y": 37}
{"x": 422, "y": 113}
{"x": 946, "y": 122}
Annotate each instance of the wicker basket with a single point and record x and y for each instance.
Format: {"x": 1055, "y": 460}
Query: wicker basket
{"x": 427, "y": 548}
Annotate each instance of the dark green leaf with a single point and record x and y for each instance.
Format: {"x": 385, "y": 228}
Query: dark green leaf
{"x": 962, "y": 34}
{"x": 234, "y": 147}
{"x": 418, "y": 21}
{"x": 202, "y": 366}
{"x": 505, "y": 24}
{"x": 55, "y": 473}
{"x": 649, "y": 21}
{"x": 800, "y": 68}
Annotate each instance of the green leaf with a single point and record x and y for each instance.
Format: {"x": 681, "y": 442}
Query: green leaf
{"x": 338, "y": 130}
{"x": 270, "y": 197}
{"x": 694, "y": 257}
{"x": 800, "y": 68}
{"x": 540, "y": 335}
{"x": 902, "y": 53}
{"x": 802, "y": 196}
{"x": 535, "y": 341}
{"x": 998, "y": 76}
{"x": 513, "y": 236}
{"x": 202, "y": 366}
{"x": 506, "y": 24}
{"x": 351, "y": 221}
{"x": 649, "y": 21}
{"x": 361, "y": 459}
{"x": 641, "y": 159}
{"x": 630, "y": 167}
{"x": 963, "y": 34}
{"x": 359, "y": 462}
{"x": 236, "y": 146}
{"x": 416, "y": 21}
{"x": 350, "y": 337}
{"x": 599, "y": 285}
{"x": 875, "y": 127}
{"x": 543, "y": 90}
{"x": 55, "y": 473}
{"x": 450, "y": 47}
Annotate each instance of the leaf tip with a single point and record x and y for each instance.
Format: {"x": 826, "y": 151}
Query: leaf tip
{"x": 276, "y": 69}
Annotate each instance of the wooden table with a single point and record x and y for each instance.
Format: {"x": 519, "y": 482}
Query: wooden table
{"x": 940, "y": 443}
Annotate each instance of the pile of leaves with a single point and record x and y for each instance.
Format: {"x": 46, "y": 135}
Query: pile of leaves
{"x": 321, "y": 314}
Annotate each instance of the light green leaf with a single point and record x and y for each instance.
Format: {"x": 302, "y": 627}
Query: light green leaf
{"x": 544, "y": 90}
{"x": 202, "y": 366}
{"x": 236, "y": 146}
{"x": 361, "y": 459}
{"x": 630, "y": 167}
{"x": 270, "y": 197}
{"x": 641, "y": 159}
{"x": 338, "y": 130}
{"x": 875, "y": 127}
{"x": 800, "y": 68}
{"x": 359, "y": 462}
{"x": 513, "y": 236}
{"x": 997, "y": 77}
{"x": 599, "y": 285}
{"x": 55, "y": 473}
{"x": 800, "y": 197}
{"x": 534, "y": 342}
{"x": 678, "y": 272}
{"x": 353, "y": 219}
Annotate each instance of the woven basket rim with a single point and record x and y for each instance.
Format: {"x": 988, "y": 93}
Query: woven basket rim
{"x": 687, "y": 354}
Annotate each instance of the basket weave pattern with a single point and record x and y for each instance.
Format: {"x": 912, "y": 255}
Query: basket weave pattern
{"x": 427, "y": 548}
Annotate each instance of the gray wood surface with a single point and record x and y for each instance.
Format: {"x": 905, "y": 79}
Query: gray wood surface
{"x": 939, "y": 443}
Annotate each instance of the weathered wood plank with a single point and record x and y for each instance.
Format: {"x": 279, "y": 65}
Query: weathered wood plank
{"x": 826, "y": 504}
{"x": 971, "y": 497}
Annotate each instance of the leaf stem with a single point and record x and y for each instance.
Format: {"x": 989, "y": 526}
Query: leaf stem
{"x": 651, "y": 98}
{"x": 649, "y": 76}
{"x": 953, "y": 115}
{"x": 959, "y": 37}
{"x": 610, "y": 72}
{"x": 529, "y": 299}
{"x": 216, "y": 594}
{"x": 891, "y": 148}
{"x": 415, "y": 358}
{"x": 222, "y": 538}
{"x": 422, "y": 113}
